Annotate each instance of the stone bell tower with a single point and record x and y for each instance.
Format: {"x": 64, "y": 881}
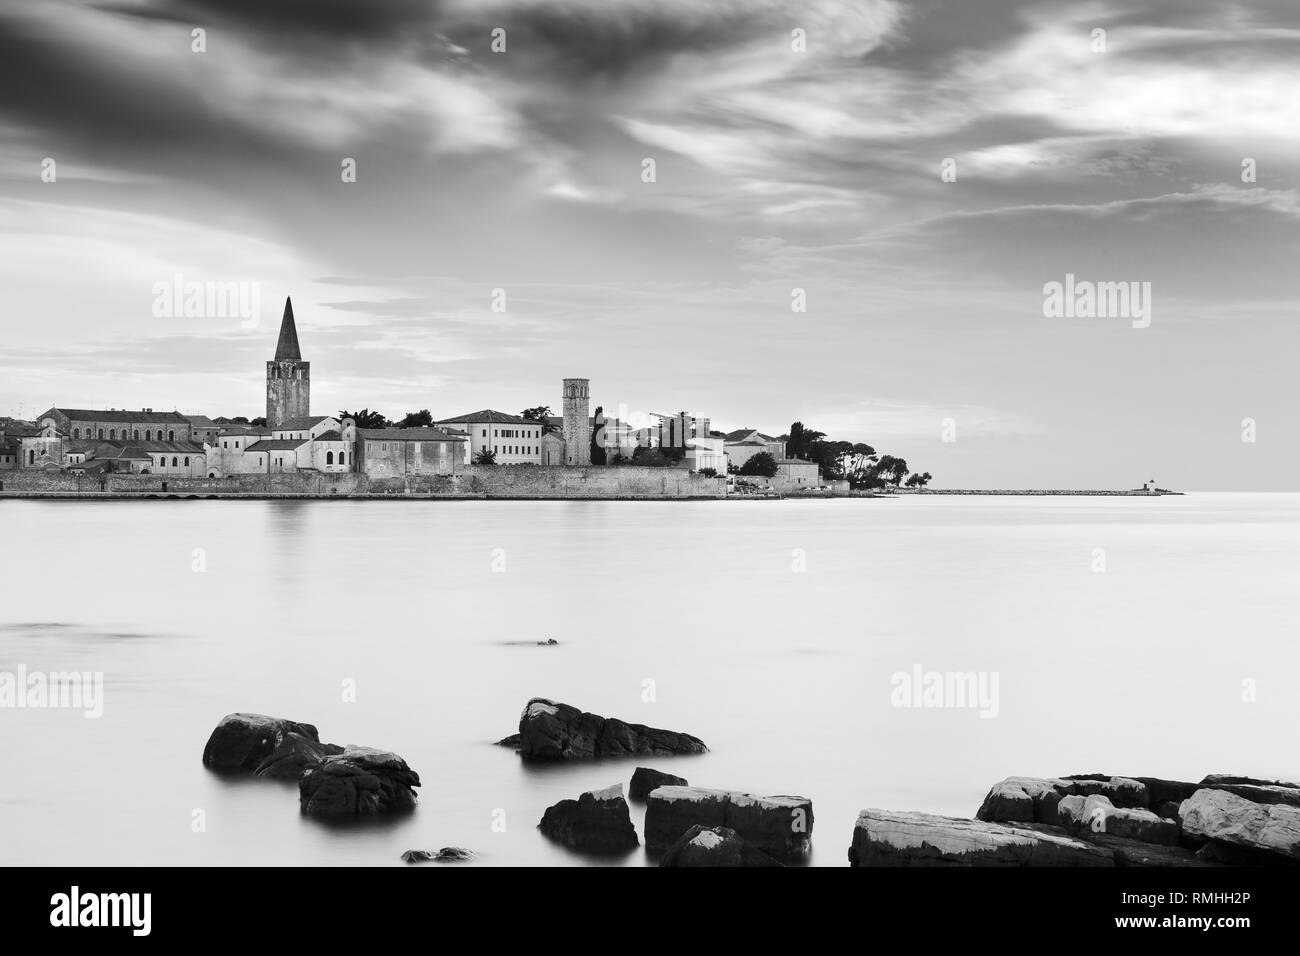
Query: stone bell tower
{"x": 577, "y": 424}
{"x": 288, "y": 377}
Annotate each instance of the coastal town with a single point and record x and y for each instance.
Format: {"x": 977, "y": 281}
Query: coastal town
{"x": 114, "y": 450}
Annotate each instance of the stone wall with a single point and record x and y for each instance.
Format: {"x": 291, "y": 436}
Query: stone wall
{"x": 516, "y": 481}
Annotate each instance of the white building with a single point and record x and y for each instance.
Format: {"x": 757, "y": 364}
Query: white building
{"x": 514, "y": 440}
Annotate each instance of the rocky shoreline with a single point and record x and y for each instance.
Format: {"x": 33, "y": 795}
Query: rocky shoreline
{"x": 1080, "y": 820}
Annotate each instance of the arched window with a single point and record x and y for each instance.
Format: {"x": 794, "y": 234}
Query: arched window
{"x": 343, "y": 458}
{"x": 148, "y": 435}
{"x": 187, "y": 462}
{"x": 101, "y": 434}
{"x": 171, "y": 435}
{"x": 135, "y": 435}
{"x": 175, "y": 463}
{"x": 329, "y": 458}
{"x": 112, "y": 434}
{"x": 31, "y": 458}
{"x": 76, "y": 433}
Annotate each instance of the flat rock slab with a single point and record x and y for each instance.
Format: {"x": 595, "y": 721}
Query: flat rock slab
{"x": 359, "y": 782}
{"x": 1228, "y": 818}
{"x": 243, "y": 741}
{"x": 599, "y": 821}
{"x": 893, "y": 838}
{"x": 780, "y": 826}
{"x": 1096, "y": 814}
{"x": 553, "y": 731}
{"x": 714, "y": 846}
{"x": 1034, "y": 799}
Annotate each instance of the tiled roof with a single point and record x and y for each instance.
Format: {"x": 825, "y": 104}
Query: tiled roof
{"x": 739, "y": 444}
{"x": 488, "y": 416}
{"x": 330, "y": 435}
{"x": 201, "y": 421}
{"x": 408, "y": 434}
{"x": 119, "y": 415}
{"x": 306, "y": 423}
{"x": 279, "y": 444}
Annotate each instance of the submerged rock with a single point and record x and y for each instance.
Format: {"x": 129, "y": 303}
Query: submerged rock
{"x": 780, "y": 826}
{"x": 599, "y": 821}
{"x": 511, "y": 741}
{"x": 294, "y": 756}
{"x": 242, "y": 741}
{"x": 714, "y": 846}
{"x": 644, "y": 780}
{"x": 360, "y": 781}
{"x": 448, "y": 854}
{"x": 891, "y": 838}
{"x": 554, "y": 731}
{"x": 1227, "y": 818}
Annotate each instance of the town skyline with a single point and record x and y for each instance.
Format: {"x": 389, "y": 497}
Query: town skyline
{"x": 916, "y": 175}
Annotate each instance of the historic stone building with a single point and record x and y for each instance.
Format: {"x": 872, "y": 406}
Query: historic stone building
{"x": 512, "y": 439}
{"x": 577, "y": 421}
{"x": 408, "y": 452}
{"x": 288, "y": 377}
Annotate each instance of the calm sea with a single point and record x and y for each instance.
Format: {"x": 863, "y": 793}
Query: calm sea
{"x": 1127, "y": 636}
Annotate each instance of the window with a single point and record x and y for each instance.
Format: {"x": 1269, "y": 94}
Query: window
{"x": 187, "y": 462}
{"x": 329, "y": 458}
{"x": 484, "y": 433}
{"x": 76, "y": 433}
{"x": 225, "y": 444}
{"x": 236, "y": 442}
{"x": 31, "y": 458}
{"x": 136, "y": 435}
{"x": 148, "y": 435}
{"x": 101, "y": 434}
{"x": 171, "y": 435}
{"x": 342, "y": 457}
{"x": 112, "y": 434}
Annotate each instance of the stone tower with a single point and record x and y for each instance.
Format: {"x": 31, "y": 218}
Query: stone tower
{"x": 577, "y": 425}
{"x": 288, "y": 377}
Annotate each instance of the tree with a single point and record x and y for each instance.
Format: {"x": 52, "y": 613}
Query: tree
{"x": 891, "y": 469}
{"x": 486, "y": 456}
{"x": 800, "y": 441}
{"x": 918, "y": 480}
{"x": 763, "y": 465}
{"x": 651, "y": 457}
{"x": 258, "y": 422}
{"x": 421, "y": 419}
{"x": 540, "y": 414}
{"x": 367, "y": 419}
{"x": 709, "y": 472}
{"x": 598, "y": 438}
{"x": 241, "y": 418}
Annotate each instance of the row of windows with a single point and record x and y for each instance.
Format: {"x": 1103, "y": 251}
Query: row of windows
{"x": 162, "y": 462}
{"x": 510, "y": 433}
{"x": 135, "y": 435}
{"x": 515, "y": 449}
{"x": 329, "y": 458}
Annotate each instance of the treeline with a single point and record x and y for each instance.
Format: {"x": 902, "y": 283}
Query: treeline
{"x": 855, "y": 462}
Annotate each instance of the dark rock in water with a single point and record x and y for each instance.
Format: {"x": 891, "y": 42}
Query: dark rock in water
{"x": 448, "y": 854}
{"x": 644, "y": 780}
{"x": 553, "y": 731}
{"x": 1096, "y": 814}
{"x": 294, "y": 756}
{"x": 890, "y": 838}
{"x": 242, "y": 741}
{"x": 358, "y": 782}
{"x": 599, "y": 821}
{"x": 714, "y": 846}
{"x": 1224, "y": 817}
{"x": 1255, "y": 790}
{"x": 551, "y": 643}
{"x": 511, "y": 741}
{"x": 1034, "y": 799}
{"x": 780, "y": 826}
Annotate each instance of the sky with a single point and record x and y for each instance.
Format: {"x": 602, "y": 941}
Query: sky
{"x": 916, "y": 172}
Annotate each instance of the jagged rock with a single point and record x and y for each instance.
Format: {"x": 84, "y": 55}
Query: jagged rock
{"x": 243, "y": 741}
{"x": 1230, "y": 819}
{"x": 511, "y": 741}
{"x": 1034, "y": 799}
{"x": 714, "y": 846}
{"x": 644, "y": 780}
{"x": 294, "y": 756}
{"x": 1255, "y": 790}
{"x": 1096, "y": 814}
{"x": 554, "y": 731}
{"x": 780, "y": 826}
{"x": 448, "y": 854}
{"x": 890, "y": 838}
{"x": 599, "y": 821}
{"x": 360, "y": 781}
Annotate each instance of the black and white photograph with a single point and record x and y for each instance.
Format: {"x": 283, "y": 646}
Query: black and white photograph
{"x": 450, "y": 436}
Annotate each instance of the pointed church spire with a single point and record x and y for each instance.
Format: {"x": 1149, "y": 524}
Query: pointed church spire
{"x": 287, "y": 347}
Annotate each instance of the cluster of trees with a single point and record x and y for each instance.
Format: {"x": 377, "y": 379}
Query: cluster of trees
{"x": 856, "y": 462}
{"x": 368, "y": 419}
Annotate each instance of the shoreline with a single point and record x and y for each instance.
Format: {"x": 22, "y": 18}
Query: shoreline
{"x": 483, "y": 496}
